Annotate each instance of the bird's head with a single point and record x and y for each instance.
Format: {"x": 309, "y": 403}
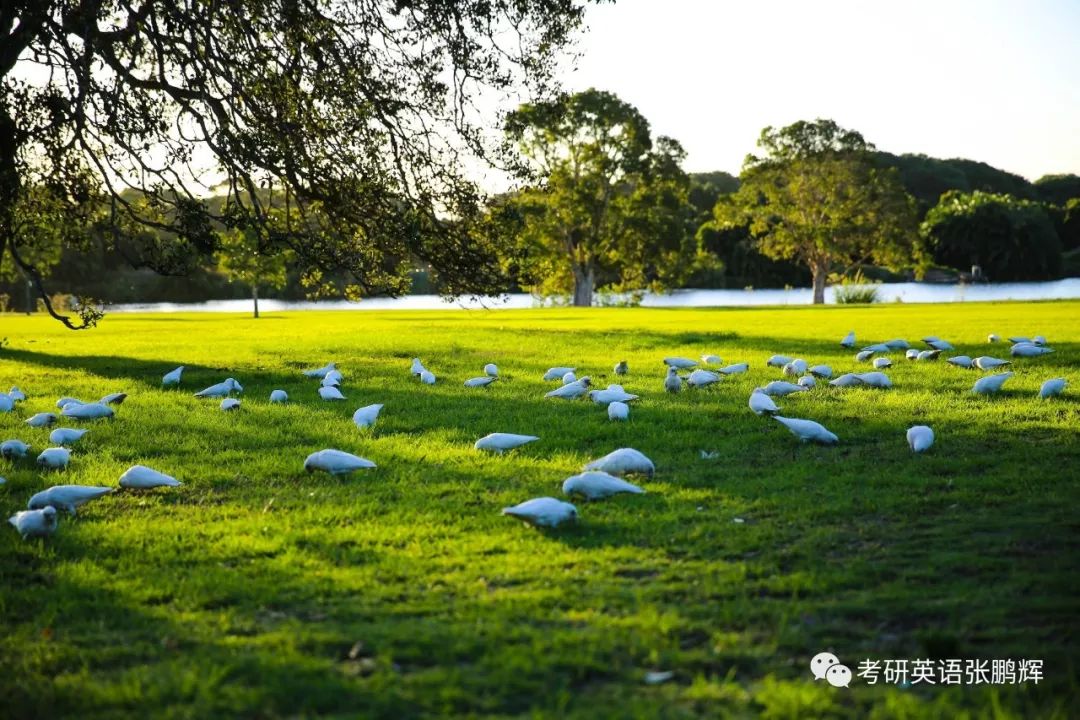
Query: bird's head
{"x": 585, "y": 381}
{"x": 49, "y": 513}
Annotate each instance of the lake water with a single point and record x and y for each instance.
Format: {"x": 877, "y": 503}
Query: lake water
{"x": 887, "y": 292}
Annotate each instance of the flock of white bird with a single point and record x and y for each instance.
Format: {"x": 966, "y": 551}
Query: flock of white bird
{"x": 599, "y": 479}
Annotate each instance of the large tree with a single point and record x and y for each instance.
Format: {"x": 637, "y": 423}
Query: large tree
{"x": 365, "y": 107}
{"x": 817, "y": 196}
{"x": 1009, "y": 238}
{"x": 609, "y": 206}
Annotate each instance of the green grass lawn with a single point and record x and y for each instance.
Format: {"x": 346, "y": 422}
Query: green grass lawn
{"x": 257, "y": 590}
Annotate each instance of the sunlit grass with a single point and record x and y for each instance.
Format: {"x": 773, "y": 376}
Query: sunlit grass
{"x": 257, "y": 590}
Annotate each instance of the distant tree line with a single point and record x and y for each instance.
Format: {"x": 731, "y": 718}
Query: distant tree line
{"x": 603, "y": 210}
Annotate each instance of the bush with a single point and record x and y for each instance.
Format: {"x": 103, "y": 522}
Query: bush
{"x": 856, "y": 290}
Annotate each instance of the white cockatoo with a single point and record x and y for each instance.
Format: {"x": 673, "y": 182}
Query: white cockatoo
{"x": 1052, "y": 388}
{"x": 336, "y": 462}
{"x": 618, "y": 411}
{"x": 594, "y": 485}
{"x": 557, "y": 372}
{"x": 572, "y": 391}
{"x": 66, "y": 436}
{"x": 985, "y": 362}
{"x": 41, "y": 420}
{"x": 140, "y": 477}
{"x": 796, "y": 367}
{"x": 846, "y": 380}
{"x": 613, "y": 393}
{"x": 35, "y": 523}
{"x": 330, "y": 393}
{"x": 990, "y": 384}
{"x": 320, "y": 373}
{"x": 701, "y": 378}
{"x": 781, "y": 388}
{"x": 366, "y": 416}
{"x": 543, "y": 512}
{"x": 1029, "y": 350}
{"x": 89, "y": 411}
{"x": 67, "y": 497}
{"x": 761, "y": 403}
{"x": 807, "y": 430}
{"x": 673, "y": 383}
{"x": 54, "y": 458}
{"x": 735, "y": 369}
{"x": 223, "y": 388}
{"x": 13, "y": 449}
{"x": 875, "y": 379}
{"x": 499, "y": 443}
{"x": 624, "y": 461}
{"x": 920, "y": 438}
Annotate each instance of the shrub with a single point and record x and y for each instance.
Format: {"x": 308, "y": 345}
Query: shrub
{"x": 855, "y": 290}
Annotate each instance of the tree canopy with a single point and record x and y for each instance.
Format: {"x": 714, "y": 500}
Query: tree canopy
{"x": 609, "y": 203}
{"x": 1058, "y": 189}
{"x": 1007, "y": 237}
{"x": 364, "y": 107}
{"x": 817, "y": 196}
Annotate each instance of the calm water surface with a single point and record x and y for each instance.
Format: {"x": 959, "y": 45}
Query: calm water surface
{"x": 887, "y": 292}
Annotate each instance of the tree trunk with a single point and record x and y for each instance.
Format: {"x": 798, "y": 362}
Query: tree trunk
{"x": 819, "y": 284}
{"x": 9, "y": 190}
{"x": 584, "y": 281}
{"x": 255, "y": 298}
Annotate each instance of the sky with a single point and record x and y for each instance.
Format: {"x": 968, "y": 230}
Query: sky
{"x": 996, "y": 81}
